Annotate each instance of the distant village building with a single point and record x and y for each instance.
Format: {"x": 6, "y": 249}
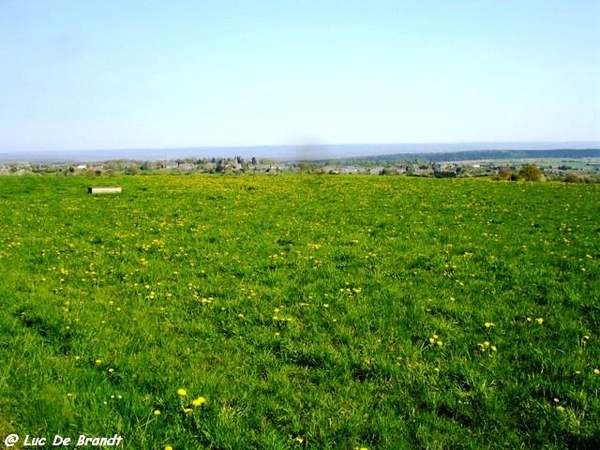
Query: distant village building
{"x": 186, "y": 167}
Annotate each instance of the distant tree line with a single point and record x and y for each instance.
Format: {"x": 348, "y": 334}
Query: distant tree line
{"x": 415, "y": 158}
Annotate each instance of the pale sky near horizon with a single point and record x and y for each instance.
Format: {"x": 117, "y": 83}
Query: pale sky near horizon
{"x": 140, "y": 74}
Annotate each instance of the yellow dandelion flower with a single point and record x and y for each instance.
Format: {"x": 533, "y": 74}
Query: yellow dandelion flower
{"x": 597, "y": 371}
{"x": 199, "y": 401}
{"x": 157, "y": 412}
{"x": 187, "y": 410}
{"x": 489, "y": 324}
{"x": 439, "y": 343}
{"x": 431, "y": 340}
{"x": 539, "y": 320}
{"x": 111, "y": 370}
{"x": 168, "y": 447}
{"x": 181, "y": 392}
{"x": 98, "y": 362}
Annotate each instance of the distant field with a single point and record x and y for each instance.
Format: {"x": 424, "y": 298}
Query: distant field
{"x": 575, "y": 164}
{"x": 587, "y": 164}
{"x": 301, "y": 312}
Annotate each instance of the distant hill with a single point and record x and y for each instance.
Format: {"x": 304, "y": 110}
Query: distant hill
{"x": 347, "y": 153}
{"x": 468, "y": 156}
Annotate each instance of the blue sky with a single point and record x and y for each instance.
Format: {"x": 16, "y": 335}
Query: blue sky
{"x": 151, "y": 74}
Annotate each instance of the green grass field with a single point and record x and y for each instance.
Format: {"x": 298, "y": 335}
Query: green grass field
{"x": 301, "y": 312}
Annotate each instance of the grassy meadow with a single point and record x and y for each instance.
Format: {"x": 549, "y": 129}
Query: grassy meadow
{"x": 290, "y": 312}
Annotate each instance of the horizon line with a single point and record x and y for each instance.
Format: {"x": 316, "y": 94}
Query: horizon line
{"x": 310, "y": 145}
